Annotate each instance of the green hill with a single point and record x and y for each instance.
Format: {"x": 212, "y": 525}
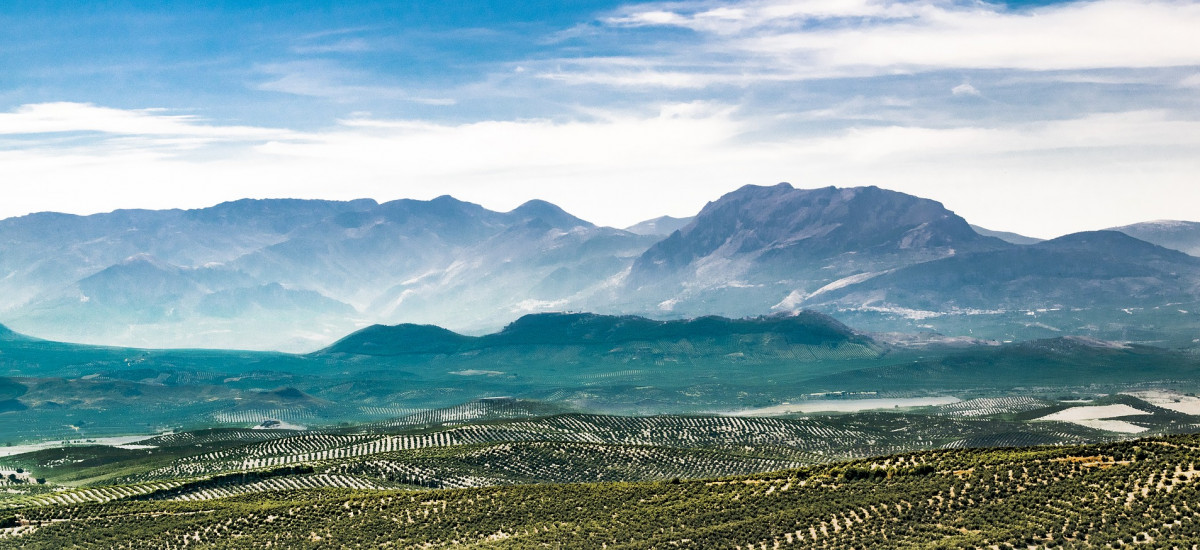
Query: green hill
{"x": 7, "y": 334}
{"x": 402, "y": 339}
{"x": 590, "y": 329}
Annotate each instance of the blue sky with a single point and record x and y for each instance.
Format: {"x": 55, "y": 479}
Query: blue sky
{"x": 1043, "y": 118}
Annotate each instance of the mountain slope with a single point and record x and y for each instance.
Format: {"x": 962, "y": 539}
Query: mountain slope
{"x": 7, "y": 334}
{"x": 296, "y": 274}
{"x": 1007, "y": 236}
{"x": 754, "y": 247}
{"x": 548, "y": 262}
{"x": 1082, "y": 270}
{"x": 1178, "y": 235}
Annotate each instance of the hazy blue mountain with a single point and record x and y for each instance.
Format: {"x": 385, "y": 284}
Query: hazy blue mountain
{"x": 236, "y": 302}
{"x": 296, "y": 274}
{"x": 1007, "y": 236}
{"x": 49, "y": 249}
{"x": 1178, "y": 235}
{"x": 1078, "y": 270}
{"x": 544, "y": 260}
{"x": 661, "y": 226}
{"x": 763, "y": 247}
{"x": 131, "y": 276}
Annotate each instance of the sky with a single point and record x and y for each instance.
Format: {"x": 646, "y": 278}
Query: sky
{"x": 1043, "y": 118}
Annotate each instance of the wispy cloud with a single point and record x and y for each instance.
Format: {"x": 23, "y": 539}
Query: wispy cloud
{"x": 965, "y": 89}
{"x": 773, "y": 40}
{"x": 318, "y": 78}
{"x": 346, "y": 45}
{"x": 1192, "y": 81}
{"x": 731, "y": 18}
{"x": 64, "y": 117}
{"x": 657, "y": 108}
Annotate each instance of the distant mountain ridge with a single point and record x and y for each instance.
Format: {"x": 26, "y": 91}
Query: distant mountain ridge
{"x": 1175, "y": 234}
{"x": 1007, "y": 236}
{"x": 295, "y": 275}
{"x": 662, "y": 225}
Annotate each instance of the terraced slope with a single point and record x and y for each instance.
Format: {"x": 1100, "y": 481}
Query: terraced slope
{"x": 1140, "y": 493}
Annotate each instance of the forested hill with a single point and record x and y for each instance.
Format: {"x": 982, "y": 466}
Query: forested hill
{"x": 588, "y": 329}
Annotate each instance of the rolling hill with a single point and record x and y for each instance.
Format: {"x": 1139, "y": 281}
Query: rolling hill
{"x": 1103, "y": 495}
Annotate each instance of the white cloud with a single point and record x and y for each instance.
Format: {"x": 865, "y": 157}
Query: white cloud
{"x": 44, "y": 118}
{"x": 774, "y": 40}
{"x": 346, "y": 45}
{"x": 498, "y": 163}
{"x": 616, "y": 168}
{"x": 964, "y": 89}
{"x": 1192, "y": 81}
{"x": 1138, "y": 133}
{"x": 654, "y": 17}
{"x": 740, "y": 17}
{"x": 327, "y": 80}
{"x": 1105, "y": 33}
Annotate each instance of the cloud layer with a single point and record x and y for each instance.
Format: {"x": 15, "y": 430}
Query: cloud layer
{"x": 617, "y": 168}
{"x": 1045, "y": 120}
{"x": 773, "y": 40}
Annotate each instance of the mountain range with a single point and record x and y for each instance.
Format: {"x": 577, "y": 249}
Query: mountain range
{"x": 298, "y": 274}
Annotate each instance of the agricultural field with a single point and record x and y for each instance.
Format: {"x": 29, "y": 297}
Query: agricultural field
{"x": 504, "y": 441}
{"x": 1139, "y": 493}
